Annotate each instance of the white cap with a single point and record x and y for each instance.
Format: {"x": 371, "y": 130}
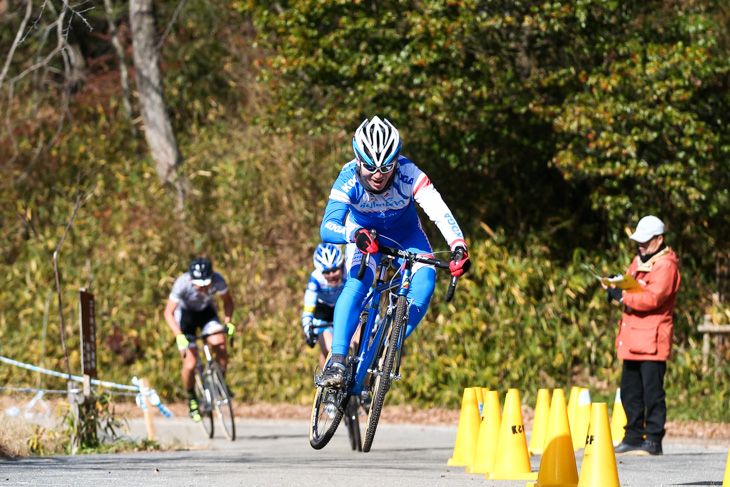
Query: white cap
{"x": 648, "y": 227}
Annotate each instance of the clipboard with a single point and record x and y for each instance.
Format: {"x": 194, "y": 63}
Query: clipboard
{"x": 625, "y": 282}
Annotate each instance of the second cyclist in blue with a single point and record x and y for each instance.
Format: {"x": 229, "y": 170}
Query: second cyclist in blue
{"x": 324, "y": 287}
{"x": 378, "y": 190}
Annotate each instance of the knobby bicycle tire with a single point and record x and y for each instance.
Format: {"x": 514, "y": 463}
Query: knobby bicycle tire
{"x": 353, "y": 424}
{"x": 206, "y": 409}
{"x": 383, "y": 379}
{"x": 222, "y": 401}
{"x": 321, "y": 426}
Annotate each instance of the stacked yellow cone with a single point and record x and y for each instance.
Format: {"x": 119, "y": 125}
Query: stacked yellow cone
{"x": 573, "y": 406}
{"x": 599, "y": 460}
{"x": 540, "y": 422}
{"x": 557, "y": 465}
{"x": 618, "y": 419}
{"x": 467, "y": 432}
{"x": 582, "y": 418}
{"x": 512, "y": 461}
{"x": 488, "y": 435}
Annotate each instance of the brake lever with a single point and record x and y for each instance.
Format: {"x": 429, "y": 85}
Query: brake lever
{"x": 365, "y": 261}
{"x": 454, "y": 279}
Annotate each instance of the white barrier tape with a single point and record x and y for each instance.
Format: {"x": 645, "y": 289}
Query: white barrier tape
{"x": 154, "y": 401}
{"x": 62, "y": 391}
{"x": 66, "y": 376}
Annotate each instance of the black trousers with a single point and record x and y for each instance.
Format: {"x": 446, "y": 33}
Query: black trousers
{"x": 644, "y": 400}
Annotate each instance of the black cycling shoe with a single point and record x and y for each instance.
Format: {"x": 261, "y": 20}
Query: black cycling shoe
{"x": 334, "y": 374}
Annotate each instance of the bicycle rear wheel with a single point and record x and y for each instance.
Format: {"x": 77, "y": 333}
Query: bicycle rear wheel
{"x": 327, "y": 412}
{"x": 353, "y": 423}
{"x": 382, "y": 377}
{"x": 204, "y": 404}
{"x": 222, "y": 401}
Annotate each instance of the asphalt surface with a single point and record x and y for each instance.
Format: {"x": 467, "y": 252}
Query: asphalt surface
{"x": 277, "y": 453}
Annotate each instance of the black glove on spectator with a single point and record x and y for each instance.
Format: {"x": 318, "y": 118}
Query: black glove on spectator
{"x": 614, "y": 293}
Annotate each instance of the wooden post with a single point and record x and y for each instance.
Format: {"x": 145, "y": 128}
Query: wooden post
{"x": 87, "y": 386}
{"x": 73, "y": 406}
{"x": 144, "y": 390}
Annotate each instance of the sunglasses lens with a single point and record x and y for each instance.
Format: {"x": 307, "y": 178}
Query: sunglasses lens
{"x": 370, "y": 169}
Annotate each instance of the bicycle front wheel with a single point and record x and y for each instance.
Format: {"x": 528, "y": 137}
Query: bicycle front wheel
{"x": 222, "y": 401}
{"x": 204, "y": 404}
{"x": 383, "y": 375}
{"x": 327, "y": 412}
{"x": 353, "y": 423}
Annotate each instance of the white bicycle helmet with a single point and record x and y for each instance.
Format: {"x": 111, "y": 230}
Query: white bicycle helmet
{"x": 377, "y": 145}
{"x": 328, "y": 257}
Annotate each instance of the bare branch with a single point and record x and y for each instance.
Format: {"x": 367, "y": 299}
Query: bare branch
{"x": 169, "y": 24}
{"x": 17, "y": 41}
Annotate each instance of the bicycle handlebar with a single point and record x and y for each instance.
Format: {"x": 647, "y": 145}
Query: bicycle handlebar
{"x": 205, "y": 335}
{"x": 317, "y": 324}
{"x": 193, "y": 338}
{"x": 385, "y": 250}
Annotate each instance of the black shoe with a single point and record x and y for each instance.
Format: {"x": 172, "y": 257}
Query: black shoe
{"x": 334, "y": 374}
{"x": 648, "y": 447}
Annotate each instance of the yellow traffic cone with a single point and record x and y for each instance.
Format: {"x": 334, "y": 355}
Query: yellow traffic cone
{"x": 484, "y": 397}
{"x": 557, "y": 465}
{"x": 467, "y": 432}
{"x": 582, "y": 418}
{"x": 512, "y": 461}
{"x": 480, "y": 399}
{"x": 618, "y": 419}
{"x": 726, "y": 481}
{"x": 599, "y": 461}
{"x": 539, "y": 422}
{"x": 573, "y": 406}
{"x": 488, "y": 435}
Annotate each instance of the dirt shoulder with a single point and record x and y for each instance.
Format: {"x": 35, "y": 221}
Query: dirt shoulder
{"x": 445, "y": 417}
{"x": 393, "y": 414}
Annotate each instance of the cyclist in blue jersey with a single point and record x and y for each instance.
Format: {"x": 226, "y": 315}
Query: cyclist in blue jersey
{"x": 190, "y": 307}
{"x": 378, "y": 190}
{"x": 324, "y": 287}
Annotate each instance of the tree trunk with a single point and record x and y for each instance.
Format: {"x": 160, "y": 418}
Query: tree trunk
{"x": 119, "y": 50}
{"x": 157, "y": 126}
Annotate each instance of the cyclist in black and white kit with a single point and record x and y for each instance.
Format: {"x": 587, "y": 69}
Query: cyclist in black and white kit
{"x": 191, "y": 307}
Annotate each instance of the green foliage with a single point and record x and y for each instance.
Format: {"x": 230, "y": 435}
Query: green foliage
{"x": 91, "y": 421}
{"x": 556, "y": 124}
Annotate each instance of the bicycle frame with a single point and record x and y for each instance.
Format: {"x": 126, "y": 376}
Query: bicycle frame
{"x": 373, "y": 334}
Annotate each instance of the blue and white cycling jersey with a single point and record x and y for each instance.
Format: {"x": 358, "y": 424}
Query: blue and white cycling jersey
{"x": 320, "y": 298}
{"x": 392, "y": 213}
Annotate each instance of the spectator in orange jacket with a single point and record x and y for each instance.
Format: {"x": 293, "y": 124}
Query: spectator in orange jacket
{"x": 644, "y": 340}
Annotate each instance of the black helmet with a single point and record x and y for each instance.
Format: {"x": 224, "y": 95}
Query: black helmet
{"x": 201, "y": 270}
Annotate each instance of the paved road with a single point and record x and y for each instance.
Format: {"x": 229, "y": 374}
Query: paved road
{"x": 277, "y": 453}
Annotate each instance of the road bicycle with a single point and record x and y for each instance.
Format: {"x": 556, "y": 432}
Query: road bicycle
{"x": 369, "y": 373}
{"x": 211, "y": 389}
{"x": 352, "y": 412}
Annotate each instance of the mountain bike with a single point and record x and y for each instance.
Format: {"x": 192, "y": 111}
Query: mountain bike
{"x": 352, "y": 413}
{"x": 211, "y": 389}
{"x": 369, "y": 373}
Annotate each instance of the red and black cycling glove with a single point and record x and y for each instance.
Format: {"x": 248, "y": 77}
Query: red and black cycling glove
{"x": 458, "y": 268}
{"x": 365, "y": 242}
